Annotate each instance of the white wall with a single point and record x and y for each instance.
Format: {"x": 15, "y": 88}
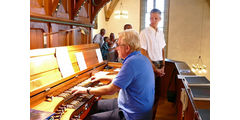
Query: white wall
{"x": 189, "y": 32}
{"x": 116, "y": 25}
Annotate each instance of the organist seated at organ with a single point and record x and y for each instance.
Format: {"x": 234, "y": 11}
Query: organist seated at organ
{"x": 135, "y": 81}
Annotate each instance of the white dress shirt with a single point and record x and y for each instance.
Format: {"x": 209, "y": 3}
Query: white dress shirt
{"x": 153, "y": 42}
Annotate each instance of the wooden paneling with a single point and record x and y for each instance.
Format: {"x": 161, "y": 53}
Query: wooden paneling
{"x": 83, "y": 11}
{"x": 44, "y": 79}
{"x": 49, "y": 106}
{"x": 43, "y": 69}
{"x": 36, "y": 6}
{"x": 36, "y": 38}
{"x": 39, "y": 25}
{"x": 201, "y": 104}
{"x": 80, "y": 38}
{"x": 59, "y": 39}
{"x": 37, "y": 31}
{"x": 62, "y": 11}
{"x": 70, "y": 5}
{"x": 78, "y": 6}
{"x": 77, "y": 38}
{"x": 167, "y": 78}
{"x": 43, "y": 15}
{"x": 85, "y": 39}
{"x": 64, "y": 4}
{"x": 115, "y": 64}
{"x": 189, "y": 113}
{"x": 88, "y": 50}
{"x": 54, "y": 5}
{"x": 82, "y": 47}
{"x": 47, "y": 7}
{"x": 90, "y": 57}
{"x": 42, "y": 64}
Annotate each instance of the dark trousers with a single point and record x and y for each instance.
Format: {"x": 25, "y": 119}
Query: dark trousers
{"x": 106, "y": 110}
{"x": 157, "y": 82}
{"x": 157, "y": 89}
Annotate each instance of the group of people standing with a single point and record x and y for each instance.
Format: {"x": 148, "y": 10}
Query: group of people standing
{"x": 142, "y": 67}
{"x": 108, "y": 44}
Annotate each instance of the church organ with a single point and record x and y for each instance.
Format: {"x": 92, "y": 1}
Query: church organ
{"x": 54, "y": 37}
{"x": 51, "y": 82}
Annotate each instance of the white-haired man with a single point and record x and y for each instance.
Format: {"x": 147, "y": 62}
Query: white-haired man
{"x": 135, "y": 81}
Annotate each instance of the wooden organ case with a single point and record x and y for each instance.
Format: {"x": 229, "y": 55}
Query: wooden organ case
{"x": 55, "y": 71}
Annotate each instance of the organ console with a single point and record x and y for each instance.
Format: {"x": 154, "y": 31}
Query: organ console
{"x": 54, "y": 72}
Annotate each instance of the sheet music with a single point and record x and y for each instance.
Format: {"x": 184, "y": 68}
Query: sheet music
{"x": 117, "y": 69}
{"x": 64, "y": 62}
{"x": 100, "y": 74}
{"x": 81, "y": 61}
{"x": 99, "y": 55}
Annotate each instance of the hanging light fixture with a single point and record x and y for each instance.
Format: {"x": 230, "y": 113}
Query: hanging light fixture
{"x": 121, "y": 13}
{"x": 199, "y": 67}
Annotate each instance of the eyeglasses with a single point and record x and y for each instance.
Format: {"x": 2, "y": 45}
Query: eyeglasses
{"x": 120, "y": 44}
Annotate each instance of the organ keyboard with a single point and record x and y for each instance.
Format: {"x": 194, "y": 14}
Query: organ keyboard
{"x": 54, "y": 72}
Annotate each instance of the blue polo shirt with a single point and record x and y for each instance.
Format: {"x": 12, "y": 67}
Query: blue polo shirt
{"x": 136, "y": 80}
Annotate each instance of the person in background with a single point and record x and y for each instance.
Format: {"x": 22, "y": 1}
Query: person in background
{"x": 98, "y": 38}
{"x": 153, "y": 43}
{"x": 127, "y": 26}
{"x": 136, "y": 96}
{"x": 105, "y": 48}
{"x": 113, "y": 55}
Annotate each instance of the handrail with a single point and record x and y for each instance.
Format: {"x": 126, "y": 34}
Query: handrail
{"x": 85, "y": 31}
{"x": 36, "y": 17}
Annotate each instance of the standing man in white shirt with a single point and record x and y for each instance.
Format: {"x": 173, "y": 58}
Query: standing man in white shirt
{"x": 98, "y": 38}
{"x": 152, "y": 44}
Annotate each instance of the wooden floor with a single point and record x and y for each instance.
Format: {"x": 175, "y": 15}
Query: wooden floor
{"x": 166, "y": 110}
